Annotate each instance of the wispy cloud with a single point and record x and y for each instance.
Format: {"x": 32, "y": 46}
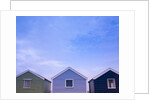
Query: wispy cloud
{"x": 21, "y": 42}
{"x": 30, "y": 59}
{"x": 25, "y": 54}
{"x": 54, "y": 63}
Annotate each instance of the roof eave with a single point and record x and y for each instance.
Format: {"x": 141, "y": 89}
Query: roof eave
{"x": 102, "y": 73}
{"x": 71, "y": 70}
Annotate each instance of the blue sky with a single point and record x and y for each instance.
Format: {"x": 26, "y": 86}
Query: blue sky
{"x": 49, "y": 44}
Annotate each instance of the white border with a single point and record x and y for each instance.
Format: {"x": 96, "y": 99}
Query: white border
{"x": 126, "y": 55}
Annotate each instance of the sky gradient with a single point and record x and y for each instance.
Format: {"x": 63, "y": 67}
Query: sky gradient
{"x": 49, "y": 44}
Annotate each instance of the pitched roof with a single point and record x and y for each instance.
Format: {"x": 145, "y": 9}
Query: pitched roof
{"x": 41, "y": 77}
{"x": 102, "y": 73}
{"x": 69, "y": 68}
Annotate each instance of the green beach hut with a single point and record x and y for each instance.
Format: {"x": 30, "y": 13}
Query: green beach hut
{"x": 31, "y": 82}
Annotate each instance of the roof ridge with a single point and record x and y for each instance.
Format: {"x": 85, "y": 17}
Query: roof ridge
{"x": 105, "y": 71}
{"x": 38, "y": 75}
{"x": 66, "y": 70}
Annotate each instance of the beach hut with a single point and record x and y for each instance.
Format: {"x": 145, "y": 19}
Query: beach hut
{"x": 105, "y": 82}
{"x": 31, "y": 82}
{"x": 69, "y": 81}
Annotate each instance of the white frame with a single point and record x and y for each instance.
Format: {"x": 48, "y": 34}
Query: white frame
{"x": 108, "y": 83}
{"x": 24, "y": 83}
{"x": 126, "y": 55}
{"x": 72, "y": 83}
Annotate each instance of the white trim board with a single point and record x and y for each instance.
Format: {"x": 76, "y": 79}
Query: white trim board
{"x": 72, "y": 83}
{"x": 41, "y": 77}
{"x": 24, "y": 83}
{"x": 105, "y": 71}
{"x": 108, "y": 83}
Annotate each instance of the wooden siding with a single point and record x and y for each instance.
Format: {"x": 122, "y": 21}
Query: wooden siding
{"x": 47, "y": 86}
{"x": 59, "y": 83}
{"x": 100, "y": 84}
{"x": 37, "y": 84}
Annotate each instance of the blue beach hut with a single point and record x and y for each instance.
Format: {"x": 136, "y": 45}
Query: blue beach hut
{"x": 69, "y": 81}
